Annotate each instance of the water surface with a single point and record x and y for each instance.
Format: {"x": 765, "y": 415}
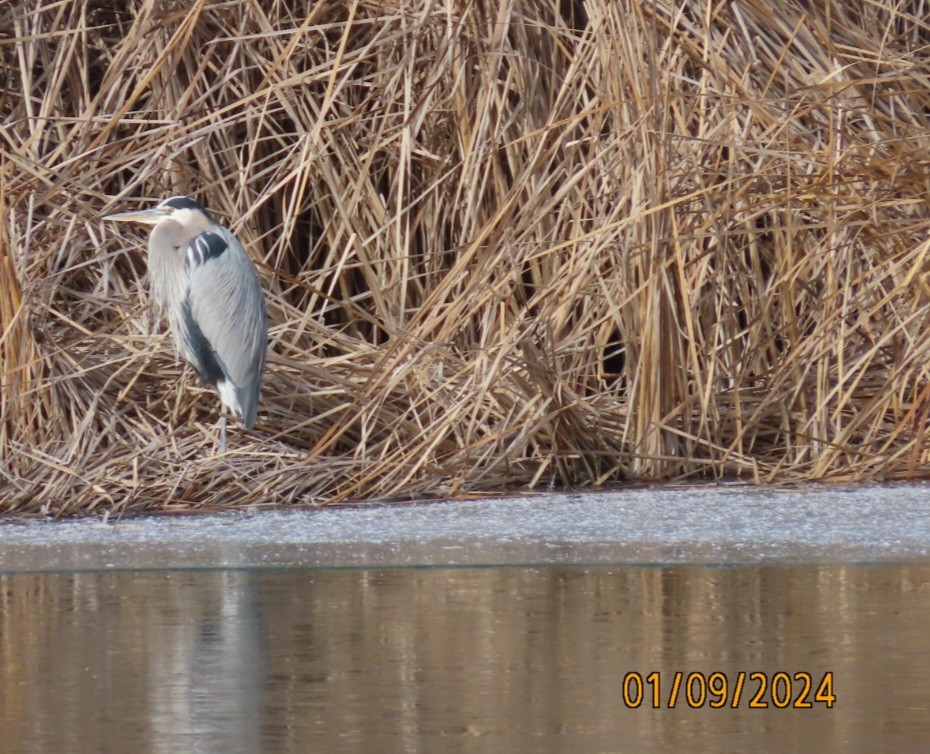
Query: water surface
{"x": 248, "y": 632}
{"x": 486, "y": 659}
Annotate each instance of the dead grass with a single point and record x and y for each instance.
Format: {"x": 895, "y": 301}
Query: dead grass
{"x": 511, "y": 243}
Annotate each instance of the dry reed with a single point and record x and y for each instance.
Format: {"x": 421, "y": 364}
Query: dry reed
{"x": 505, "y": 243}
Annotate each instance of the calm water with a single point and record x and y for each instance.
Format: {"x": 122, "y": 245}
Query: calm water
{"x": 460, "y": 659}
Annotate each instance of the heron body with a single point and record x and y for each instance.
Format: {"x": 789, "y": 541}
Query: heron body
{"x": 205, "y": 283}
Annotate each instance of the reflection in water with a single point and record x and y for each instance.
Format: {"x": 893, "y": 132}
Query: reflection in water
{"x": 471, "y": 659}
{"x": 216, "y": 649}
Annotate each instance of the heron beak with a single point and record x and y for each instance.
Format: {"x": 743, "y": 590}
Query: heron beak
{"x": 148, "y": 216}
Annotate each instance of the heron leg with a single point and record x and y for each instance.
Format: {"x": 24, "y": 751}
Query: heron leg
{"x": 223, "y": 445}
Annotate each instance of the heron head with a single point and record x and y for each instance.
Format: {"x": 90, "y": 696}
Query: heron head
{"x": 181, "y": 209}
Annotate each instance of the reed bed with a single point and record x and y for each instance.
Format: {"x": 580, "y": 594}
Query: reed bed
{"x": 505, "y": 244}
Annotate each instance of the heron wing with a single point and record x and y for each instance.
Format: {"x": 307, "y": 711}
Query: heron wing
{"x": 225, "y": 319}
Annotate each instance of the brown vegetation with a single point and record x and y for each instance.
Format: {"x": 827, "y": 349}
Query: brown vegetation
{"x": 504, "y": 242}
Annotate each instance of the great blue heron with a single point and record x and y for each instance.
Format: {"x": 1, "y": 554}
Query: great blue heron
{"x": 205, "y": 283}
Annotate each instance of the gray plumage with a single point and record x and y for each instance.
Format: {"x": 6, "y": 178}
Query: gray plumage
{"x": 205, "y": 283}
